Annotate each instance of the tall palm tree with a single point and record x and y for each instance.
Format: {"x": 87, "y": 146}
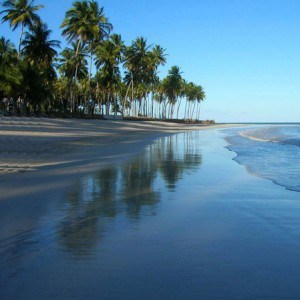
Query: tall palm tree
{"x": 108, "y": 57}
{"x": 37, "y": 46}
{"x": 99, "y": 29}
{"x": 200, "y": 97}
{"x": 85, "y": 22}
{"x": 40, "y": 51}
{"x": 75, "y": 25}
{"x": 110, "y": 53}
{"x": 190, "y": 93}
{"x": 73, "y": 60}
{"x": 20, "y": 13}
{"x": 194, "y": 95}
{"x": 156, "y": 58}
{"x": 68, "y": 62}
{"x": 136, "y": 59}
{"x": 173, "y": 87}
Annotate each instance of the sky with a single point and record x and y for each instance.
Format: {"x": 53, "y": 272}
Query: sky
{"x": 245, "y": 53}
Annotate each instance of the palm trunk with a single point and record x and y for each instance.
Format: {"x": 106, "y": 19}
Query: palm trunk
{"x": 193, "y": 110}
{"x": 76, "y": 54}
{"x": 179, "y": 102}
{"x": 185, "y": 109}
{"x": 115, "y": 103}
{"x": 20, "y": 40}
{"x": 90, "y": 69}
{"x": 199, "y": 109}
{"x": 126, "y": 95}
{"x": 152, "y": 105}
{"x": 189, "y": 110}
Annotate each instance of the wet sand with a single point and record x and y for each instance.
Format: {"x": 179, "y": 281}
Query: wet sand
{"x": 70, "y": 148}
{"x": 40, "y": 158}
{"x": 99, "y": 218}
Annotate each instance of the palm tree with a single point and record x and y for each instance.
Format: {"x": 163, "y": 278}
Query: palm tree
{"x": 8, "y": 53}
{"x": 9, "y": 73}
{"x": 181, "y": 96}
{"x": 173, "y": 87}
{"x": 200, "y": 97}
{"x": 136, "y": 58}
{"x": 38, "y": 48}
{"x": 108, "y": 57}
{"x": 110, "y": 53}
{"x": 71, "y": 61}
{"x": 20, "y": 13}
{"x": 156, "y": 58}
{"x": 85, "y": 22}
{"x": 39, "y": 51}
{"x": 75, "y": 25}
{"x": 35, "y": 87}
{"x": 61, "y": 92}
{"x": 194, "y": 95}
{"x": 99, "y": 29}
{"x": 160, "y": 98}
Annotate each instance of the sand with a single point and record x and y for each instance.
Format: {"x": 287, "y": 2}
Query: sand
{"x": 41, "y": 158}
{"x": 33, "y": 150}
{"x": 70, "y": 228}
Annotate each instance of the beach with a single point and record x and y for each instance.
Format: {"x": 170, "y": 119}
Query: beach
{"x": 40, "y": 158}
{"x": 71, "y": 147}
{"x": 139, "y": 210}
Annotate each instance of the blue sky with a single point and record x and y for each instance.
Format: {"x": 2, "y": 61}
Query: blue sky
{"x": 245, "y": 53}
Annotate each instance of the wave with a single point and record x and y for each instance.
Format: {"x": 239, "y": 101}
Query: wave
{"x": 247, "y": 134}
{"x": 269, "y": 152}
{"x": 285, "y": 135}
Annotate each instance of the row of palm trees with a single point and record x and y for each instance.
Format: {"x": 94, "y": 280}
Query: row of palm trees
{"x": 96, "y": 73}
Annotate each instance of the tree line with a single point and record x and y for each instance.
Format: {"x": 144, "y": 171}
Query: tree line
{"x": 95, "y": 74}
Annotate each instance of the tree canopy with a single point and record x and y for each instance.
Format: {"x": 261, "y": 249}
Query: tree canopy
{"x": 97, "y": 73}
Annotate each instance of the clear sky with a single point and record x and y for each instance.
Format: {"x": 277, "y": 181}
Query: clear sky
{"x": 245, "y": 53}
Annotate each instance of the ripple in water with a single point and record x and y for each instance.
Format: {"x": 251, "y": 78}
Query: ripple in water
{"x": 271, "y": 152}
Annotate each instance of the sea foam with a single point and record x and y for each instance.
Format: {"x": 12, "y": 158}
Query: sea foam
{"x": 271, "y": 152}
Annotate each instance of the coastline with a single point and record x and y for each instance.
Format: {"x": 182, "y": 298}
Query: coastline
{"x": 146, "y": 220}
{"x": 73, "y": 147}
{"x": 41, "y": 159}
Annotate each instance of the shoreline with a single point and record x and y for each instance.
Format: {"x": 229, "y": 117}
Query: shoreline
{"x": 41, "y": 159}
{"x": 34, "y": 144}
{"x": 122, "y": 212}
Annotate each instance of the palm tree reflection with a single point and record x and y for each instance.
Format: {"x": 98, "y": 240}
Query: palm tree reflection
{"x": 177, "y": 155}
{"x": 137, "y": 186}
{"x": 127, "y": 190}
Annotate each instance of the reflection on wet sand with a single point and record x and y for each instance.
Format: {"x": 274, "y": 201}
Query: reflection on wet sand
{"x": 175, "y": 223}
{"x": 127, "y": 189}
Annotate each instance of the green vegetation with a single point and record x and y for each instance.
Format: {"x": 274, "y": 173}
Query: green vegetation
{"x": 35, "y": 78}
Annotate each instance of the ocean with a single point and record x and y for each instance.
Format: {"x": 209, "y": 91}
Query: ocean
{"x": 271, "y": 152}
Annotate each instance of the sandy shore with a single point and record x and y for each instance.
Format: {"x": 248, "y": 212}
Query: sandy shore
{"x": 84, "y": 211}
{"x": 66, "y": 148}
{"x": 41, "y": 158}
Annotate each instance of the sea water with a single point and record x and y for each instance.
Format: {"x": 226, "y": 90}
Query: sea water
{"x": 271, "y": 152}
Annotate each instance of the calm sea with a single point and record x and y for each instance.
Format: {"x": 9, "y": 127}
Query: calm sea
{"x": 271, "y": 152}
